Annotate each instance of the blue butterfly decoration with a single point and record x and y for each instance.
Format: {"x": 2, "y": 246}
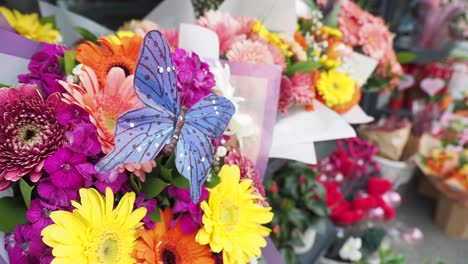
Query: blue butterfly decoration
{"x": 163, "y": 125}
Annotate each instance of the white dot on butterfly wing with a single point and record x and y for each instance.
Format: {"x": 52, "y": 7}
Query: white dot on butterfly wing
{"x": 160, "y": 69}
{"x": 214, "y": 101}
{"x": 215, "y": 108}
{"x": 181, "y": 155}
{"x": 156, "y": 145}
{"x": 132, "y": 125}
{"x": 168, "y": 69}
{"x": 203, "y": 159}
{"x": 217, "y": 112}
{"x": 139, "y": 149}
{"x": 188, "y": 167}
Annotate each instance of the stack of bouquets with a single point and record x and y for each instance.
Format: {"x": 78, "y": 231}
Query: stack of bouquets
{"x": 118, "y": 151}
{"x": 354, "y": 191}
{"x": 446, "y": 163}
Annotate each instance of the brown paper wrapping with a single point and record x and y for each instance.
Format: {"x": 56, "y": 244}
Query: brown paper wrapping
{"x": 390, "y": 143}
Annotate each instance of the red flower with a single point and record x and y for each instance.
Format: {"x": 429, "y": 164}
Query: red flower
{"x": 378, "y": 186}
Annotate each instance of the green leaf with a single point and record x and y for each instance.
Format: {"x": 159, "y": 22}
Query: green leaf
{"x": 153, "y": 186}
{"x": 166, "y": 174}
{"x": 4, "y": 85}
{"x": 180, "y": 181}
{"x": 156, "y": 215}
{"x": 48, "y": 20}
{"x": 69, "y": 61}
{"x": 304, "y": 66}
{"x": 332, "y": 19}
{"x": 86, "y": 34}
{"x": 215, "y": 180}
{"x": 26, "y": 192}
{"x": 13, "y": 213}
{"x": 135, "y": 183}
{"x": 405, "y": 57}
{"x": 317, "y": 206}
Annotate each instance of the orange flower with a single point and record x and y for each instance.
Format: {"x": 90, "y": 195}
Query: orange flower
{"x": 103, "y": 58}
{"x": 299, "y": 38}
{"x": 166, "y": 245}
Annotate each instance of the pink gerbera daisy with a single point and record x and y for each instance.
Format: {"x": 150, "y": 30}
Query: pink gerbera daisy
{"x": 250, "y": 51}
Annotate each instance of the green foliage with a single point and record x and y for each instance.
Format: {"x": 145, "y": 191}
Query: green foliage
{"x": 4, "y": 85}
{"x": 372, "y": 238}
{"x": 48, "y": 20}
{"x": 68, "y": 62}
{"x": 13, "y": 212}
{"x": 388, "y": 257}
{"x": 26, "y": 192}
{"x": 298, "y": 203}
{"x": 375, "y": 85}
{"x": 86, "y": 34}
{"x": 405, "y": 57}
{"x": 304, "y": 66}
{"x": 331, "y": 19}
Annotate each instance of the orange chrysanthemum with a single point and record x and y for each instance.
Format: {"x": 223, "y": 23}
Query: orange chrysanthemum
{"x": 299, "y": 38}
{"x": 103, "y": 58}
{"x": 166, "y": 245}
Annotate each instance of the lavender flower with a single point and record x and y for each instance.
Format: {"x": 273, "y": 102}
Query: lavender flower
{"x": 190, "y": 214}
{"x": 68, "y": 168}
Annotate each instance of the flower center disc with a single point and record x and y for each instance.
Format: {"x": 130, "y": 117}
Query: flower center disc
{"x": 29, "y": 134}
{"x": 108, "y": 252}
{"x": 229, "y": 215}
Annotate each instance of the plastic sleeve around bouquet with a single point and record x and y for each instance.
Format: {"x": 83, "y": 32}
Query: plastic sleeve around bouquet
{"x": 15, "y": 51}
{"x": 259, "y": 84}
{"x": 3, "y": 253}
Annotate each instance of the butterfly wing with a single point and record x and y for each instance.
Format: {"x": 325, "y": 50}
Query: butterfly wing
{"x": 194, "y": 155}
{"x": 210, "y": 115}
{"x": 139, "y": 136}
{"x": 155, "y": 79}
{"x": 207, "y": 119}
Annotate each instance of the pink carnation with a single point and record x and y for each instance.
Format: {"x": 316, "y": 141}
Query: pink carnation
{"x": 250, "y": 51}
{"x": 350, "y": 21}
{"x": 286, "y": 95}
{"x": 228, "y": 28}
{"x": 172, "y": 36}
{"x": 278, "y": 57}
{"x": 374, "y": 39}
{"x": 301, "y": 92}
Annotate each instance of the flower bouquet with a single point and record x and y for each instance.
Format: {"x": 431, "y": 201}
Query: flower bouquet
{"x": 119, "y": 151}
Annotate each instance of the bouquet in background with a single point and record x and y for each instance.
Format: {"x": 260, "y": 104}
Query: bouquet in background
{"x": 80, "y": 146}
{"x": 369, "y": 33}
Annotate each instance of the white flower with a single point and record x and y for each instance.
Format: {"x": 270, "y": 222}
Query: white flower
{"x": 78, "y": 70}
{"x": 308, "y": 240}
{"x": 221, "y": 151}
{"x": 241, "y": 125}
{"x": 351, "y": 249}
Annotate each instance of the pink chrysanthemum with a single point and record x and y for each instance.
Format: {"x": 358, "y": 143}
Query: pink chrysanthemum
{"x": 227, "y": 27}
{"x": 350, "y": 21}
{"x": 29, "y": 132}
{"x": 250, "y": 51}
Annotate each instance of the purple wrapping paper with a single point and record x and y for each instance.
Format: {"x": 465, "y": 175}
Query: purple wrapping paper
{"x": 16, "y": 45}
{"x": 259, "y": 84}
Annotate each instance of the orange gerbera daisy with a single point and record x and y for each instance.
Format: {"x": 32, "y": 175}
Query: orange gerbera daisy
{"x": 103, "y": 58}
{"x": 166, "y": 245}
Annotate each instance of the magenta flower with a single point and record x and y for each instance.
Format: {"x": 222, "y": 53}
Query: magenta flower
{"x": 150, "y": 206}
{"x": 113, "y": 179}
{"x": 72, "y": 114}
{"x": 56, "y": 197}
{"x": 194, "y": 79}
{"x": 44, "y": 69}
{"x": 65, "y": 168}
{"x": 38, "y": 215}
{"x": 190, "y": 214}
{"x": 25, "y": 246}
{"x": 83, "y": 139}
{"x": 29, "y": 133}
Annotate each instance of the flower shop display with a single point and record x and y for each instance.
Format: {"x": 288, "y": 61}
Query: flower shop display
{"x": 119, "y": 151}
{"x": 298, "y": 201}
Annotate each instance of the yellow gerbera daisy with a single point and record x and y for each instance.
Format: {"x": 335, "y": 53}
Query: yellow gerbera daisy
{"x": 29, "y": 26}
{"x": 232, "y": 220}
{"x": 95, "y": 232}
{"x": 116, "y": 38}
{"x": 335, "y": 88}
